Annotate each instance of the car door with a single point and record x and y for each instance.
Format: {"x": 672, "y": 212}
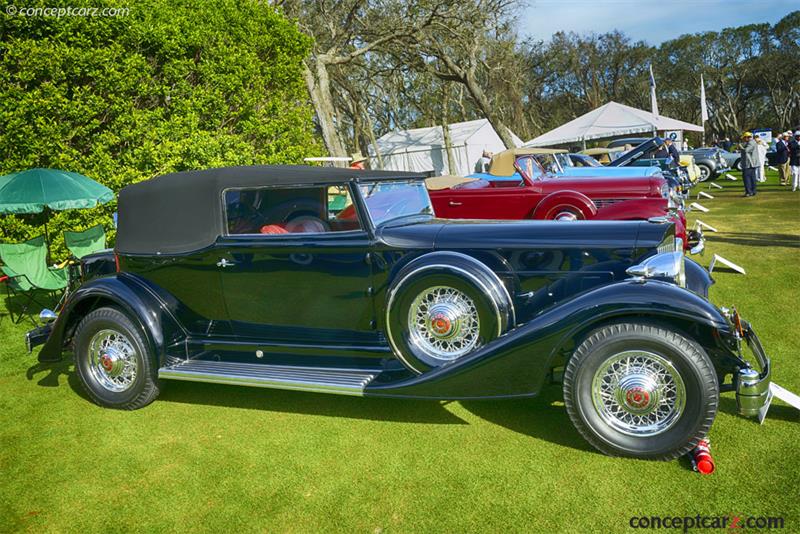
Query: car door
{"x": 301, "y": 274}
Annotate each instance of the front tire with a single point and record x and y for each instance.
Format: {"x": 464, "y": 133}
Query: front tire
{"x": 114, "y": 362}
{"x": 641, "y": 390}
{"x": 705, "y": 172}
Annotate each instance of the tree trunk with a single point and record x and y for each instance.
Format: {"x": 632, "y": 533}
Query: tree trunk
{"x": 476, "y": 91}
{"x": 448, "y": 143}
{"x": 319, "y": 90}
{"x": 371, "y": 134}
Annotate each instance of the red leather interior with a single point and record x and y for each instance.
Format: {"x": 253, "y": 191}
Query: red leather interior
{"x": 273, "y": 229}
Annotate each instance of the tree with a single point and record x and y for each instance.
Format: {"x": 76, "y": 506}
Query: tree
{"x": 455, "y": 49}
{"x": 345, "y": 32}
{"x": 165, "y": 88}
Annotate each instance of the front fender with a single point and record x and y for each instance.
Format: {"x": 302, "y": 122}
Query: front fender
{"x": 517, "y": 363}
{"x": 634, "y": 209}
{"x": 126, "y": 292}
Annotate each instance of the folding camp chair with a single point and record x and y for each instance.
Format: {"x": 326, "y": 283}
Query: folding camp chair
{"x": 25, "y": 272}
{"x": 87, "y": 242}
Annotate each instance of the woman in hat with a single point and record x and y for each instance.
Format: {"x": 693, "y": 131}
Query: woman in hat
{"x": 357, "y": 161}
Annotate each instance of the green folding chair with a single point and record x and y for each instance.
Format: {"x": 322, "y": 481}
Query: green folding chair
{"x": 25, "y": 272}
{"x": 87, "y": 242}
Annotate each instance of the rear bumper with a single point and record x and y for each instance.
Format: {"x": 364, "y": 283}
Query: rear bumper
{"x": 753, "y": 394}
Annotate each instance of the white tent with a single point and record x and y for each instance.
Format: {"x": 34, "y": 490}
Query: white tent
{"x": 610, "y": 120}
{"x": 422, "y": 149}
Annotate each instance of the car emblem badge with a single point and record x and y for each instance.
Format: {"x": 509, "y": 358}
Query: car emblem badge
{"x": 441, "y": 324}
{"x": 637, "y": 397}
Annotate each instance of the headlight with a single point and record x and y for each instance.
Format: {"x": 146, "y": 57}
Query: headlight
{"x": 665, "y": 190}
{"x": 670, "y": 265}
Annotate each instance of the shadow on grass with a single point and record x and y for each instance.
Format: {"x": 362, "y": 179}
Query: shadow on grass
{"x": 542, "y": 417}
{"x": 776, "y": 411}
{"x": 758, "y": 240}
{"x": 52, "y": 373}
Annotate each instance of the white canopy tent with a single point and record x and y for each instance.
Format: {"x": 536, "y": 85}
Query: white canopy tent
{"x": 423, "y": 149}
{"x": 610, "y": 120}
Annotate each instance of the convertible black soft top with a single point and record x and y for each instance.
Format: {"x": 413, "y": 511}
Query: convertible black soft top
{"x": 181, "y": 212}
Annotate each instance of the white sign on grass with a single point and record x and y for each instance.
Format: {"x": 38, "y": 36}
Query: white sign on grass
{"x": 719, "y": 259}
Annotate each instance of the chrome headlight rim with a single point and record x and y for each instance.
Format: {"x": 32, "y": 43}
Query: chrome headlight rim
{"x": 669, "y": 265}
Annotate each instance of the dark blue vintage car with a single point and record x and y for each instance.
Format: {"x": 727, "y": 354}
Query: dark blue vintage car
{"x": 343, "y": 281}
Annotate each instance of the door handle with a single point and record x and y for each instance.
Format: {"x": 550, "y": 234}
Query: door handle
{"x": 225, "y": 263}
{"x": 454, "y": 203}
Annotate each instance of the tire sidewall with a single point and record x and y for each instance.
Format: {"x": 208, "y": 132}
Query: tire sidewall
{"x": 102, "y": 319}
{"x": 690, "y": 421}
{"x": 409, "y": 289}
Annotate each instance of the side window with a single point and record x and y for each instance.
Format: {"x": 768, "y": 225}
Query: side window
{"x": 290, "y": 210}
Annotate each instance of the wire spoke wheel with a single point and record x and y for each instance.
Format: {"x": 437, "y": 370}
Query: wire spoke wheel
{"x": 112, "y": 360}
{"x": 638, "y": 393}
{"x": 444, "y": 323}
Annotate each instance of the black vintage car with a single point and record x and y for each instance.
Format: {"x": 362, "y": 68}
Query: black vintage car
{"x": 342, "y": 281}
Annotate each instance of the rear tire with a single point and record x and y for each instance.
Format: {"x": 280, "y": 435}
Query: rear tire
{"x": 641, "y": 390}
{"x": 114, "y": 362}
{"x": 705, "y": 172}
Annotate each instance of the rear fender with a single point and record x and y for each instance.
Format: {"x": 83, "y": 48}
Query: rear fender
{"x": 127, "y": 293}
{"x": 571, "y": 199}
{"x": 518, "y": 363}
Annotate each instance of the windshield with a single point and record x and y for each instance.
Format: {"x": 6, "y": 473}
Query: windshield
{"x": 394, "y": 199}
{"x": 549, "y": 163}
{"x": 563, "y": 160}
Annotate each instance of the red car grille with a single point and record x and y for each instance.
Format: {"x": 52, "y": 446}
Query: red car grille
{"x": 603, "y": 202}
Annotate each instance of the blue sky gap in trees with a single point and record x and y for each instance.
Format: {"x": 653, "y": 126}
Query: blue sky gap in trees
{"x": 651, "y": 21}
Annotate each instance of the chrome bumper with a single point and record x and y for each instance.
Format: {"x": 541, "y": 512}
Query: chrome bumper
{"x": 697, "y": 241}
{"x": 753, "y": 394}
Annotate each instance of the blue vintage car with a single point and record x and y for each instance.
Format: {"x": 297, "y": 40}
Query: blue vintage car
{"x": 342, "y": 281}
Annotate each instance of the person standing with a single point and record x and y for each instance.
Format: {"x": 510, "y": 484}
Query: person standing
{"x": 782, "y": 157}
{"x": 685, "y": 145}
{"x": 749, "y": 158}
{"x": 794, "y": 160}
{"x": 761, "y": 173}
{"x": 673, "y": 152}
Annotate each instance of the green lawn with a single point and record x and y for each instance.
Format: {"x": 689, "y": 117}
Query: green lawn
{"x": 212, "y": 458}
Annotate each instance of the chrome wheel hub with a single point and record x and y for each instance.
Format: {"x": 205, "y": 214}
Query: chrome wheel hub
{"x": 638, "y": 393}
{"x": 443, "y": 323}
{"x": 112, "y": 360}
{"x": 566, "y": 216}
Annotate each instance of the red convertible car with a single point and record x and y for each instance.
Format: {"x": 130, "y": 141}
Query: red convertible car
{"x": 517, "y": 186}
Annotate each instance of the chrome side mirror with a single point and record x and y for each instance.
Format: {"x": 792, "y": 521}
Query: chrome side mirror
{"x": 47, "y": 316}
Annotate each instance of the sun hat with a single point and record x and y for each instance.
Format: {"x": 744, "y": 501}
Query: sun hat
{"x": 356, "y": 157}
{"x": 797, "y": 133}
{"x": 747, "y": 134}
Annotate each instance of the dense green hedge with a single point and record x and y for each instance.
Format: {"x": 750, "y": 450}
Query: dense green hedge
{"x": 165, "y": 88}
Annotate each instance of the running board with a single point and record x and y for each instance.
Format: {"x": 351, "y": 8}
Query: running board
{"x": 318, "y": 379}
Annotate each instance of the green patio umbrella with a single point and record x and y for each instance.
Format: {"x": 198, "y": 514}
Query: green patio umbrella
{"x": 38, "y": 190}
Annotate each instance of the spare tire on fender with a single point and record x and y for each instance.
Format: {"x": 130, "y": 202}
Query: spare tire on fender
{"x": 443, "y": 306}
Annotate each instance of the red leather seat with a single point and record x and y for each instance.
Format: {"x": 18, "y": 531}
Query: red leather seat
{"x": 273, "y": 229}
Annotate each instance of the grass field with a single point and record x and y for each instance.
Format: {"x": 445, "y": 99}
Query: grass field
{"x": 222, "y": 458}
